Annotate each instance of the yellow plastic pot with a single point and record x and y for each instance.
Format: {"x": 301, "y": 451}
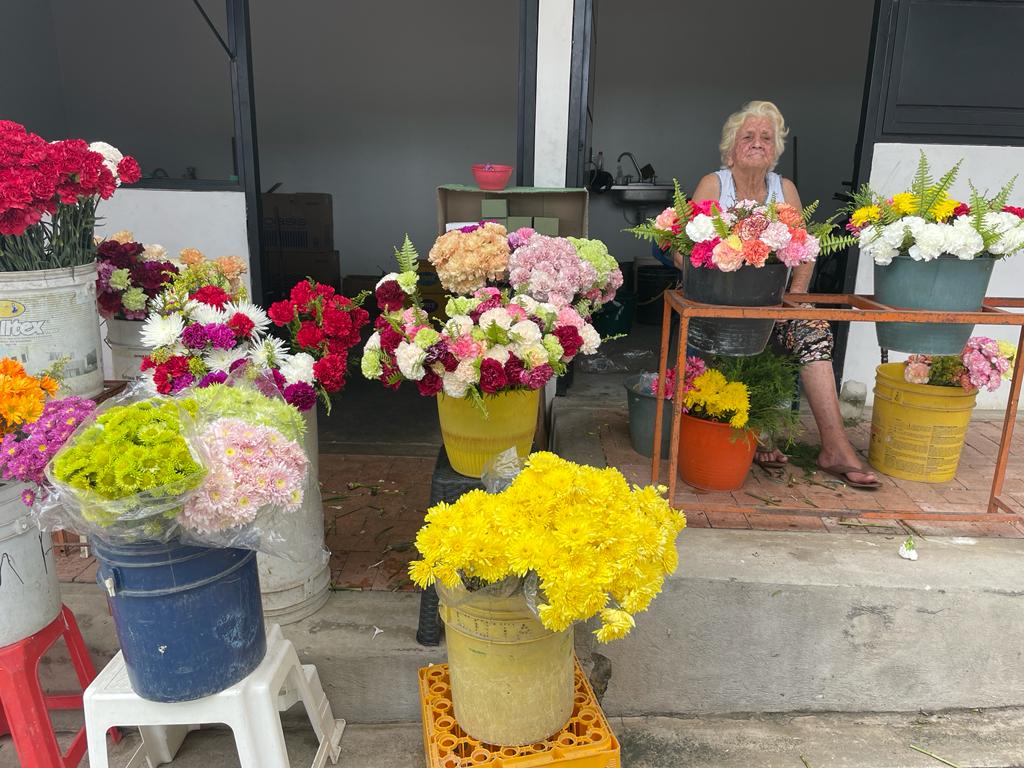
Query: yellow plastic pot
{"x": 471, "y": 439}
{"x": 512, "y": 679}
{"x": 917, "y": 430}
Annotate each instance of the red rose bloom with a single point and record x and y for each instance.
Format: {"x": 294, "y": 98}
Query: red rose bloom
{"x": 390, "y": 296}
{"x": 570, "y": 340}
{"x": 241, "y": 325}
{"x": 212, "y": 296}
{"x": 430, "y": 384}
{"x": 281, "y": 312}
{"x": 492, "y": 376}
{"x": 309, "y": 335}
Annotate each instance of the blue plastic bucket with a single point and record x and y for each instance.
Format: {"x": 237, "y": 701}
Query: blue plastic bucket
{"x": 189, "y": 619}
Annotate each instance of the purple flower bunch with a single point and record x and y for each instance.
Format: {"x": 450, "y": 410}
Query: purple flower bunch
{"x": 201, "y": 336}
{"x": 25, "y": 452}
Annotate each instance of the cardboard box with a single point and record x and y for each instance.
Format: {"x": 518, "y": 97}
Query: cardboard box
{"x": 518, "y": 222}
{"x": 498, "y": 221}
{"x": 546, "y": 225}
{"x": 457, "y": 202}
{"x": 493, "y": 209}
{"x": 298, "y": 221}
{"x": 286, "y": 268}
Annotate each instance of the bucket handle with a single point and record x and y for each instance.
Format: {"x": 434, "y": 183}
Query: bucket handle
{"x": 897, "y": 396}
{"x": 113, "y": 582}
{"x": 18, "y": 526}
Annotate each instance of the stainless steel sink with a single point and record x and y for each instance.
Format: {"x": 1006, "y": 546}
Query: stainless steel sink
{"x": 643, "y": 193}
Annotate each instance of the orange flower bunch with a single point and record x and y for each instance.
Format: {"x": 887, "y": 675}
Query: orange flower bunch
{"x": 21, "y": 395}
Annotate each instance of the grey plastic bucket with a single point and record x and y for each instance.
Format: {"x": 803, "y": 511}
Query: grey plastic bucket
{"x": 643, "y": 407}
{"x": 947, "y": 283}
{"x": 746, "y": 287}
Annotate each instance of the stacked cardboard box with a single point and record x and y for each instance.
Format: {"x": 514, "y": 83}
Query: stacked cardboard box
{"x": 298, "y": 241}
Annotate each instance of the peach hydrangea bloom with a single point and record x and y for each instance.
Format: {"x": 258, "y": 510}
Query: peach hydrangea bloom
{"x": 191, "y": 256}
{"x": 230, "y": 266}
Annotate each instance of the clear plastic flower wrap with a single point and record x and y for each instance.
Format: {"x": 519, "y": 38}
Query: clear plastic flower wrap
{"x": 126, "y": 473}
{"x": 259, "y": 492}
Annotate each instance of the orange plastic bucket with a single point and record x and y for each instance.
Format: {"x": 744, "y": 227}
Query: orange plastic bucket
{"x": 714, "y": 456}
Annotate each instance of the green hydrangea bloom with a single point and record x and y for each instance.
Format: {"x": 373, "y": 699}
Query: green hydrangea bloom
{"x": 596, "y": 253}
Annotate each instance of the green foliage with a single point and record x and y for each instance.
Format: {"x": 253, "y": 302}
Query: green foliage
{"x": 829, "y": 243}
{"x": 945, "y": 371}
{"x": 808, "y": 212}
{"x": 679, "y": 201}
{"x": 927, "y": 196}
{"x": 407, "y": 257}
{"x": 771, "y": 382}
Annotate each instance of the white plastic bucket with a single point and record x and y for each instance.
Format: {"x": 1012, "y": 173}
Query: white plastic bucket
{"x": 124, "y": 337}
{"x": 47, "y": 314}
{"x": 292, "y": 591}
{"x": 29, "y": 590}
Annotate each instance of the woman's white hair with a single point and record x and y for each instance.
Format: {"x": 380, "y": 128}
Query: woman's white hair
{"x": 735, "y": 122}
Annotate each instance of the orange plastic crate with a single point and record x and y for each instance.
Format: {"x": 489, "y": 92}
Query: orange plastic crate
{"x": 585, "y": 742}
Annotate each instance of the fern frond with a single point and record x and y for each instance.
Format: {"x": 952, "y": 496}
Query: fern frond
{"x": 939, "y": 191}
{"x": 407, "y": 258}
{"x": 809, "y": 210}
{"x": 721, "y": 228}
{"x": 680, "y": 202}
{"x": 921, "y": 183}
{"x": 829, "y": 243}
{"x": 477, "y": 401}
{"x": 583, "y": 307}
{"x": 979, "y": 207}
{"x": 999, "y": 201}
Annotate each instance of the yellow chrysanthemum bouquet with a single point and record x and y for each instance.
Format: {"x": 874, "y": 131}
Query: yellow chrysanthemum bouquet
{"x": 590, "y": 543}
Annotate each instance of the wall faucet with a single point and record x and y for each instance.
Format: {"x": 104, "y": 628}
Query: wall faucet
{"x": 639, "y": 176}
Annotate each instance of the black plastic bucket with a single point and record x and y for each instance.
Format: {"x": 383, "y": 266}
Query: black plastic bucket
{"x": 746, "y": 287}
{"x": 651, "y": 283}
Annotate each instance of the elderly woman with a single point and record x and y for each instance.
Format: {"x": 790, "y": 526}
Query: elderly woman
{"x": 752, "y": 141}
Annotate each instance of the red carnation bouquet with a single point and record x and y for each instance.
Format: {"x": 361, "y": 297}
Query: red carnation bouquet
{"x": 323, "y": 326}
{"x": 48, "y": 197}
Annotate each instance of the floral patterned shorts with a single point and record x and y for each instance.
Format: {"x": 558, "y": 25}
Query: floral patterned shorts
{"x": 806, "y": 340}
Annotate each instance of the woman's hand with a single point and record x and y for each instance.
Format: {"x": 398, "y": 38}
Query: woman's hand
{"x": 677, "y": 259}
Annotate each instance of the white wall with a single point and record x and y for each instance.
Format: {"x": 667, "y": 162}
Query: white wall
{"x": 668, "y": 74}
{"x": 892, "y": 170}
{"x": 31, "y": 93}
{"x": 554, "y": 61}
{"x": 378, "y": 102}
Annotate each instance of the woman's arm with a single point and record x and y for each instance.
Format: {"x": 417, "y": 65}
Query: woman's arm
{"x": 802, "y": 274}
{"x": 707, "y": 189}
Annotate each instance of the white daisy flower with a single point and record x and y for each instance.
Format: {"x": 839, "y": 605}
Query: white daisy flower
{"x": 203, "y": 313}
{"x": 162, "y": 330}
{"x": 256, "y": 314}
{"x": 223, "y": 359}
{"x": 270, "y": 352}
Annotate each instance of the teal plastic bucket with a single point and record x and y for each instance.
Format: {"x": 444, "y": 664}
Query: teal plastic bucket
{"x": 643, "y": 407}
{"x": 946, "y": 284}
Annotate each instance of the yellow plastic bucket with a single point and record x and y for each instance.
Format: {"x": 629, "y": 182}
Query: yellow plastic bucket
{"x": 471, "y": 439}
{"x": 512, "y": 679}
{"x": 917, "y": 430}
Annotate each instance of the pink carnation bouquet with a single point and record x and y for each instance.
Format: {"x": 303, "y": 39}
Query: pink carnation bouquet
{"x": 695, "y": 366}
{"x": 983, "y": 364}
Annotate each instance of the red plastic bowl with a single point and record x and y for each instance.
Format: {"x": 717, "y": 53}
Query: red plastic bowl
{"x": 491, "y": 176}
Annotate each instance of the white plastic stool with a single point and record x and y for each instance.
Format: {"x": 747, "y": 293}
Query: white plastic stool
{"x": 251, "y": 708}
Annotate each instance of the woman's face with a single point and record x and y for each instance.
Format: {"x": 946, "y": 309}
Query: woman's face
{"x": 755, "y": 144}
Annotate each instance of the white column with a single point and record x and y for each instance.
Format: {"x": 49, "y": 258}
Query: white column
{"x": 554, "y": 64}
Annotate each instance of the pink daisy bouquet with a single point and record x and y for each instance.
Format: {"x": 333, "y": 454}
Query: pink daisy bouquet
{"x": 492, "y": 341}
{"x": 257, "y": 468}
{"x": 746, "y": 234}
{"x": 983, "y": 364}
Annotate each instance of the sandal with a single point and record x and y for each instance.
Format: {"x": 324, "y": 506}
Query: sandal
{"x": 769, "y": 463}
{"x": 842, "y": 472}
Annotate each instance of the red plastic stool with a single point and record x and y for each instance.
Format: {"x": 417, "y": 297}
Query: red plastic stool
{"x": 27, "y": 706}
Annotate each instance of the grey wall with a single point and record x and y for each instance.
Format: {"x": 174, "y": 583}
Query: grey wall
{"x": 31, "y": 93}
{"x": 668, "y": 76}
{"x": 378, "y": 102}
{"x": 152, "y": 81}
